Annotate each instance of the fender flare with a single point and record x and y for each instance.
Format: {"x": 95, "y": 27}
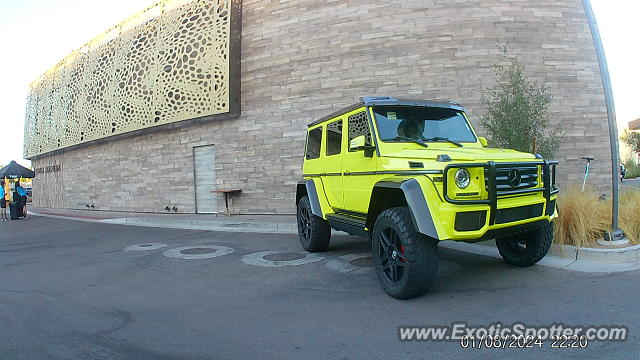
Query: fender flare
{"x": 416, "y": 202}
{"x": 420, "y": 212}
{"x": 312, "y": 194}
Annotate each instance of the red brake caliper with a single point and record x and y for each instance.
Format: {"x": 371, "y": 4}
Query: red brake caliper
{"x": 402, "y": 251}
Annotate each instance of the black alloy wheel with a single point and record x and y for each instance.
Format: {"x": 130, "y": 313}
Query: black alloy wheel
{"x": 314, "y": 232}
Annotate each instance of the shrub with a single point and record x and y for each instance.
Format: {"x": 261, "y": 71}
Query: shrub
{"x": 583, "y": 218}
{"x": 633, "y": 169}
{"x": 629, "y": 218}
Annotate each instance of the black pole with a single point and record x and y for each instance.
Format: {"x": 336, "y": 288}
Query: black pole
{"x": 616, "y": 233}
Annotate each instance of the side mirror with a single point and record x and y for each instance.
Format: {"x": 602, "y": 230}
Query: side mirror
{"x": 483, "y": 141}
{"x": 358, "y": 143}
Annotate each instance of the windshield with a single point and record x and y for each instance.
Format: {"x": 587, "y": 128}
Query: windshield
{"x": 401, "y": 123}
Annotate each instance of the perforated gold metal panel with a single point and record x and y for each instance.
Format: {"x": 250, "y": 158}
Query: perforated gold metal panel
{"x": 165, "y": 64}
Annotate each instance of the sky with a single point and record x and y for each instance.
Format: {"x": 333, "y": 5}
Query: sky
{"x": 36, "y": 34}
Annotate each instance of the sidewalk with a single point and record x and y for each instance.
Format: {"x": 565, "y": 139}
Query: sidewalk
{"x": 563, "y": 257}
{"x": 635, "y": 183}
{"x": 283, "y": 224}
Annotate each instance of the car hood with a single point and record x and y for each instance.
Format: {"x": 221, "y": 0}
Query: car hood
{"x": 464, "y": 154}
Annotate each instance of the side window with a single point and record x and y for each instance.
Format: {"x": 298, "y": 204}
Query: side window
{"x": 334, "y": 138}
{"x": 359, "y": 125}
{"x": 314, "y": 138}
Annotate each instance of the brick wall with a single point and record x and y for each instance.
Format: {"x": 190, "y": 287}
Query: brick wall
{"x": 304, "y": 59}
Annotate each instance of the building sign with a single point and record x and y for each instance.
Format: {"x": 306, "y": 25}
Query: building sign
{"x": 166, "y": 64}
{"x": 48, "y": 169}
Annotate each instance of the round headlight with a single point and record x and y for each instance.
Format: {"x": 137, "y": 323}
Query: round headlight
{"x": 462, "y": 178}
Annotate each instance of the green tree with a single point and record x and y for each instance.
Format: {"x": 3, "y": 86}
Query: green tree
{"x": 518, "y": 112}
{"x": 632, "y": 139}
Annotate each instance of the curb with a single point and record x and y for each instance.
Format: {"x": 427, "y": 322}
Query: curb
{"x": 225, "y": 226}
{"x": 617, "y": 255}
{"x": 229, "y": 226}
{"x": 567, "y": 257}
{"x": 560, "y": 256}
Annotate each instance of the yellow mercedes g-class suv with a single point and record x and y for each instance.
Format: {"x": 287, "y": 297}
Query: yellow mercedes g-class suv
{"x": 408, "y": 174}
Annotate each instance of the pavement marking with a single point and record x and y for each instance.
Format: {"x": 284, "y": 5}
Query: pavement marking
{"x": 145, "y": 247}
{"x": 258, "y": 259}
{"x": 344, "y": 264}
{"x": 197, "y": 252}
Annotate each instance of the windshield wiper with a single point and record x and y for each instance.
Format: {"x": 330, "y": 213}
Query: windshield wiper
{"x": 440, "y": 138}
{"x": 415, "y": 141}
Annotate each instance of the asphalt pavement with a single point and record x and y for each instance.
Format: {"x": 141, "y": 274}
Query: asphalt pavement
{"x": 83, "y": 290}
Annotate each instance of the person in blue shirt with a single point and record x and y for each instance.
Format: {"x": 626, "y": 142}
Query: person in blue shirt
{"x": 3, "y": 202}
{"x": 23, "y": 198}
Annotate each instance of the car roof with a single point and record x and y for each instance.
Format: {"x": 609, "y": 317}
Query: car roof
{"x": 388, "y": 101}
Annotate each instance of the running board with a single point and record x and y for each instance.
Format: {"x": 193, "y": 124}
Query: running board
{"x": 348, "y": 224}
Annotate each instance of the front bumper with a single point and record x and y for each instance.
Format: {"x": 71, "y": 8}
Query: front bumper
{"x": 502, "y": 211}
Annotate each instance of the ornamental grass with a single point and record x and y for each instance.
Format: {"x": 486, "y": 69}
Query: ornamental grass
{"x": 584, "y": 217}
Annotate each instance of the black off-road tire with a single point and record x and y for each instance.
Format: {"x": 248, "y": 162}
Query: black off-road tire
{"x": 526, "y": 249}
{"x": 314, "y": 231}
{"x": 418, "y": 256}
